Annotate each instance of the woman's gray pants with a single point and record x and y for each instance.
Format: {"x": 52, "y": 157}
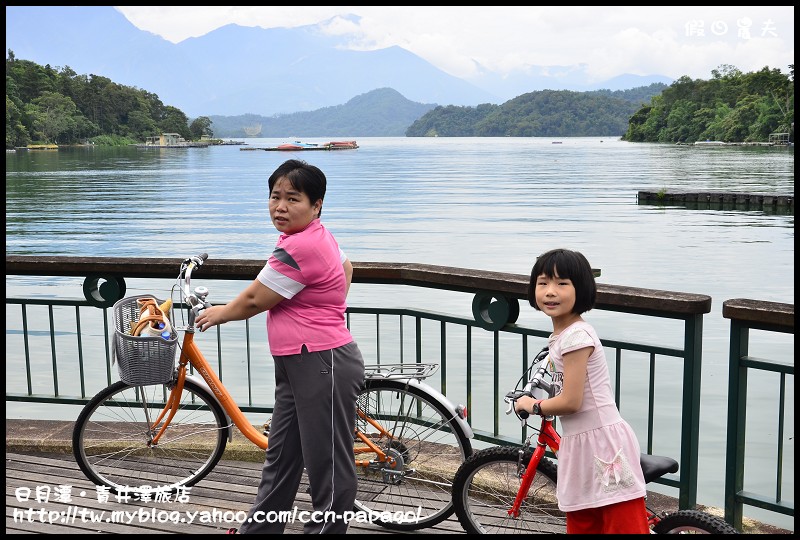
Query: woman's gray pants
{"x": 312, "y": 426}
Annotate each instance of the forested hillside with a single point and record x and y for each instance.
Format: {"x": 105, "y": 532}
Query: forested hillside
{"x": 546, "y": 113}
{"x": 731, "y": 107}
{"x": 57, "y": 105}
{"x": 45, "y": 105}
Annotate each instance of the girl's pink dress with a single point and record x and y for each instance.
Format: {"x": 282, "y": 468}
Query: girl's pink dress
{"x": 598, "y": 461}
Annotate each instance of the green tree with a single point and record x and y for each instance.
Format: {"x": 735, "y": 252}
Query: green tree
{"x": 201, "y": 126}
{"x": 53, "y": 115}
{"x": 141, "y": 125}
{"x": 680, "y": 122}
{"x": 16, "y": 132}
{"x": 175, "y": 121}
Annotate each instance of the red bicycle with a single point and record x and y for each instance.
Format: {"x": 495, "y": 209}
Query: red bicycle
{"x": 512, "y": 490}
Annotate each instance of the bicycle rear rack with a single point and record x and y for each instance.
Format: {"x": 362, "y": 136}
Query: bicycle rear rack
{"x": 399, "y": 371}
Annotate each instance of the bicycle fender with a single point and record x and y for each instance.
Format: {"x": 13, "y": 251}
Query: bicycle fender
{"x": 199, "y": 381}
{"x": 442, "y": 399}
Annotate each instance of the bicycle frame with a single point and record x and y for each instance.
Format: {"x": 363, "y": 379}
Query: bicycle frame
{"x": 190, "y": 354}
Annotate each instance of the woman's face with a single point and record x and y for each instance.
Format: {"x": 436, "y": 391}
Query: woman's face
{"x": 290, "y": 210}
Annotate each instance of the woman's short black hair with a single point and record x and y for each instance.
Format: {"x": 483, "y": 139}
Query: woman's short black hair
{"x": 303, "y": 177}
{"x": 567, "y": 264}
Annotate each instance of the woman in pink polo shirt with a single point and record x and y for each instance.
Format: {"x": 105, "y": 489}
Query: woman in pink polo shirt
{"x": 318, "y": 367}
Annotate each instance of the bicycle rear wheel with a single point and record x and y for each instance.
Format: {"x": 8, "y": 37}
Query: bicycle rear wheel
{"x": 112, "y": 438}
{"x": 486, "y": 485}
{"x": 427, "y": 445}
{"x": 692, "y": 522}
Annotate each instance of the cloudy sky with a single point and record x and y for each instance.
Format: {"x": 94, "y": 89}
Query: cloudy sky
{"x": 608, "y": 41}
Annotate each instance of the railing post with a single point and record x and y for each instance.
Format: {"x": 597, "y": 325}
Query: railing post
{"x": 737, "y": 412}
{"x": 690, "y": 426}
{"x": 745, "y": 315}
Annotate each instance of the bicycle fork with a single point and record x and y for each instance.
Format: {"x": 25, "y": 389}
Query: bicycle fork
{"x": 171, "y": 407}
{"x": 547, "y": 437}
{"x": 527, "y": 476}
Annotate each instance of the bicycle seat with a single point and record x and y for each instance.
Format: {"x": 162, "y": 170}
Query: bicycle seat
{"x": 657, "y": 466}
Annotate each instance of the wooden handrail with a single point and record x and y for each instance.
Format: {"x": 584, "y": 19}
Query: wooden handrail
{"x": 420, "y": 275}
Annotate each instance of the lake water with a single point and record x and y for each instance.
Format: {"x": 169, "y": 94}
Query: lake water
{"x": 481, "y": 203}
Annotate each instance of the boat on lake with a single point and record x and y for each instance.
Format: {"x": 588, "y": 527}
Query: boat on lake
{"x": 341, "y": 145}
{"x": 298, "y": 146}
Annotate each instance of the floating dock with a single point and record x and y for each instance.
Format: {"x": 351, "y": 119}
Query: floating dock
{"x": 726, "y": 200}
{"x": 38, "y": 147}
{"x": 298, "y": 146}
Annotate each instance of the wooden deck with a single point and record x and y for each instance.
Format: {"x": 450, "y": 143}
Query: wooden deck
{"x": 46, "y": 463}
{"x": 231, "y": 488}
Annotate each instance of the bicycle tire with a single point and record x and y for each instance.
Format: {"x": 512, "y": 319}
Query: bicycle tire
{"x": 110, "y": 440}
{"x": 692, "y": 522}
{"x": 486, "y": 485}
{"x": 429, "y": 445}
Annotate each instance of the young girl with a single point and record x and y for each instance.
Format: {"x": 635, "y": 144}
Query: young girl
{"x": 600, "y": 482}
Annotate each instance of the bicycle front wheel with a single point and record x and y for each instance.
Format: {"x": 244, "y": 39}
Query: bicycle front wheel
{"x": 424, "y": 445}
{"x": 486, "y": 485}
{"x": 112, "y": 438}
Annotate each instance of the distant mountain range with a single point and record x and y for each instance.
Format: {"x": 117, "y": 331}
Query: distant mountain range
{"x": 386, "y": 113}
{"x": 236, "y": 70}
{"x": 381, "y": 113}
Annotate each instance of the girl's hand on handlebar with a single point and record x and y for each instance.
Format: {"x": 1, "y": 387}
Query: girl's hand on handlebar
{"x": 211, "y": 316}
{"x": 524, "y": 403}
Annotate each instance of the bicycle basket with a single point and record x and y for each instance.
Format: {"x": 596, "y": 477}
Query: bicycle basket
{"x": 141, "y": 359}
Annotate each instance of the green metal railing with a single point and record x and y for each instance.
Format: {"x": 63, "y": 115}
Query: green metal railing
{"x": 480, "y": 357}
{"x": 747, "y": 315}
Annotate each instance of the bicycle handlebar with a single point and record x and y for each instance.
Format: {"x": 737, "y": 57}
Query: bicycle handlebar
{"x": 197, "y": 299}
{"x": 192, "y": 263}
{"x": 536, "y": 381}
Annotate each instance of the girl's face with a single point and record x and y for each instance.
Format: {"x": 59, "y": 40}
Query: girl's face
{"x": 290, "y": 210}
{"x": 555, "y": 296}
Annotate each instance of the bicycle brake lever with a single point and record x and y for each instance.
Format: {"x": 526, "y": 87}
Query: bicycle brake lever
{"x": 512, "y": 397}
{"x": 510, "y": 406}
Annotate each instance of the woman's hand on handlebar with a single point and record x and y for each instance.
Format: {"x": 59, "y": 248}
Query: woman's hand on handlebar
{"x": 211, "y": 316}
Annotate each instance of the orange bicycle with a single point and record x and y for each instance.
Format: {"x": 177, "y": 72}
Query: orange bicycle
{"x": 162, "y": 427}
